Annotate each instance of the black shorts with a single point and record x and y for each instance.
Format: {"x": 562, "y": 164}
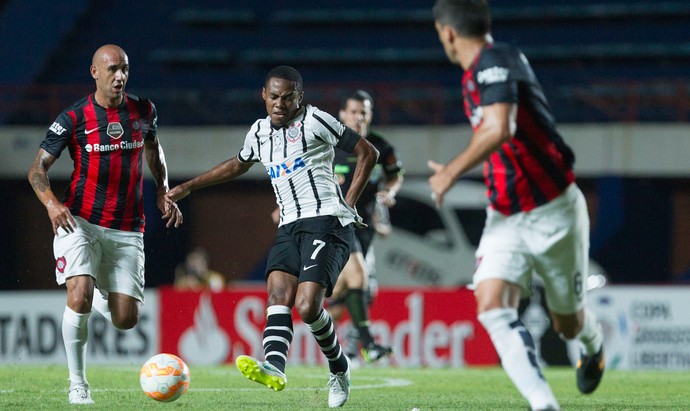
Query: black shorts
{"x": 364, "y": 237}
{"x": 313, "y": 249}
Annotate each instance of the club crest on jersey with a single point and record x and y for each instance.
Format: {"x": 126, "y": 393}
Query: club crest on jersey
{"x": 115, "y": 130}
{"x": 470, "y": 86}
{"x": 283, "y": 169}
{"x": 60, "y": 264}
{"x": 293, "y": 132}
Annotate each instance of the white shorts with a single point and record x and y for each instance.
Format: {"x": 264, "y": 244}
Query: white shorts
{"x": 551, "y": 241}
{"x": 114, "y": 258}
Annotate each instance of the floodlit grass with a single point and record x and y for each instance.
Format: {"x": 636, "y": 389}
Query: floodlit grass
{"x": 373, "y": 388}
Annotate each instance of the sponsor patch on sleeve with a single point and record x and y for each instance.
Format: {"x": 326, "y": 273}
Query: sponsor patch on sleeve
{"x": 493, "y": 75}
{"x": 57, "y": 128}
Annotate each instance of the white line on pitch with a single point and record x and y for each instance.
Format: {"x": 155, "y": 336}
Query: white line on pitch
{"x": 386, "y": 382}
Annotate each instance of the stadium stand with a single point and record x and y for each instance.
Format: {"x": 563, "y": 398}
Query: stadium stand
{"x": 26, "y": 44}
{"x": 202, "y": 63}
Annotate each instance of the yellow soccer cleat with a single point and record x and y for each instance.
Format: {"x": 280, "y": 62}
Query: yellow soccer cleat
{"x": 261, "y": 372}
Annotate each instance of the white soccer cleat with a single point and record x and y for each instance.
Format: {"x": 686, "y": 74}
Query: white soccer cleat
{"x": 339, "y": 387}
{"x": 80, "y": 395}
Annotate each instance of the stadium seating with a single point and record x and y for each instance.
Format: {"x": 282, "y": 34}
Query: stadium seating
{"x": 202, "y": 64}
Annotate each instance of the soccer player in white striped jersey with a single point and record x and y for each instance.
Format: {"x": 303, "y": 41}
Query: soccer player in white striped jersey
{"x": 296, "y": 145}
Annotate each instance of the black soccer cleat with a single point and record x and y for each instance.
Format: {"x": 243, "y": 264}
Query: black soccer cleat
{"x": 589, "y": 371}
{"x": 374, "y": 352}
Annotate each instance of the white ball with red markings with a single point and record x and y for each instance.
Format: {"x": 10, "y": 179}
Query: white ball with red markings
{"x": 164, "y": 377}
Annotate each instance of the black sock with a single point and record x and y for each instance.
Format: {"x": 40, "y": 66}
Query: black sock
{"x": 359, "y": 312}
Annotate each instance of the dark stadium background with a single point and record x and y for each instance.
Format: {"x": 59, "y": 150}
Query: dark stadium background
{"x": 599, "y": 62}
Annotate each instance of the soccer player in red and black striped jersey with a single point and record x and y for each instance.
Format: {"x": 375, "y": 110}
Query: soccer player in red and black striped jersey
{"x": 99, "y": 224}
{"x": 537, "y": 220}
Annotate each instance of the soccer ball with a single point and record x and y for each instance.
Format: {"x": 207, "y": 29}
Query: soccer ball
{"x": 164, "y": 377}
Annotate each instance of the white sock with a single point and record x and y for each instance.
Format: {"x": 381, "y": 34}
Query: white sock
{"x": 590, "y": 337}
{"x": 75, "y": 334}
{"x": 515, "y": 347}
{"x": 101, "y": 305}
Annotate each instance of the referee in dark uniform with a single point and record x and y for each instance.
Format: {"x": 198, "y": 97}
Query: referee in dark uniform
{"x": 354, "y": 289}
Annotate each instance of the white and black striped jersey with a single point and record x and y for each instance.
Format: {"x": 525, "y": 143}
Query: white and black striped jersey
{"x": 299, "y": 160}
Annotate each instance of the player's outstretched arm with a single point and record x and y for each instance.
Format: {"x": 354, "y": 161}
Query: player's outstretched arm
{"x": 59, "y": 215}
{"x": 221, "y": 173}
{"x": 497, "y": 127}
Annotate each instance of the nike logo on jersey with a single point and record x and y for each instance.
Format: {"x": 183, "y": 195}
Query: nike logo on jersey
{"x": 306, "y": 267}
{"x": 90, "y": 131}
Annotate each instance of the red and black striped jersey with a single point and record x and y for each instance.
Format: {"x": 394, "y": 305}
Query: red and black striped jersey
{"x": 106, "y": 146}
{"x": 535, "y": 165}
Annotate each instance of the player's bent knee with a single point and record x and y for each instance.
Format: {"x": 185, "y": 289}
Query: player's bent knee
{"x": 280, "y": 299}
{"x": 567, "y": 326}
{"x": 281, "y": 289}
{"x": 567, "y": 333}
{"x": 126, "y": 322}
{"x": 80, "y": 293}
{"x": 80, "y": 302}
{"x": 307, "y": 310}
{"x": 124, "y": 312}
{"x": 80, "y": 305}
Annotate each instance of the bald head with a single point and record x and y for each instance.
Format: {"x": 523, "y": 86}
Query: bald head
{"x": 108, "y": 51}
{"x": 110, "y": 69}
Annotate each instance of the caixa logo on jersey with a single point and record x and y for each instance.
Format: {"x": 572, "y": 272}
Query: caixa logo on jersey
{"x": 280, "y": 170}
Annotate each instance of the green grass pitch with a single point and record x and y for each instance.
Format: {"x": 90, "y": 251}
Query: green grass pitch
{"x": 31, "y": 387}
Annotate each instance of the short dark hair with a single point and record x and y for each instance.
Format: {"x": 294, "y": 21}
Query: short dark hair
{"x": 469, "y": 18}
{"x": 286, "y": 73}
{"x": 358, "y": 95}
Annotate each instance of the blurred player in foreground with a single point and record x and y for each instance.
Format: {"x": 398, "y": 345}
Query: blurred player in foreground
{"x": 296, "y": 145}
{"x": 99, "y": 226}
{"x": 352, "y": 288}
{"x": 537, "y": 222}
